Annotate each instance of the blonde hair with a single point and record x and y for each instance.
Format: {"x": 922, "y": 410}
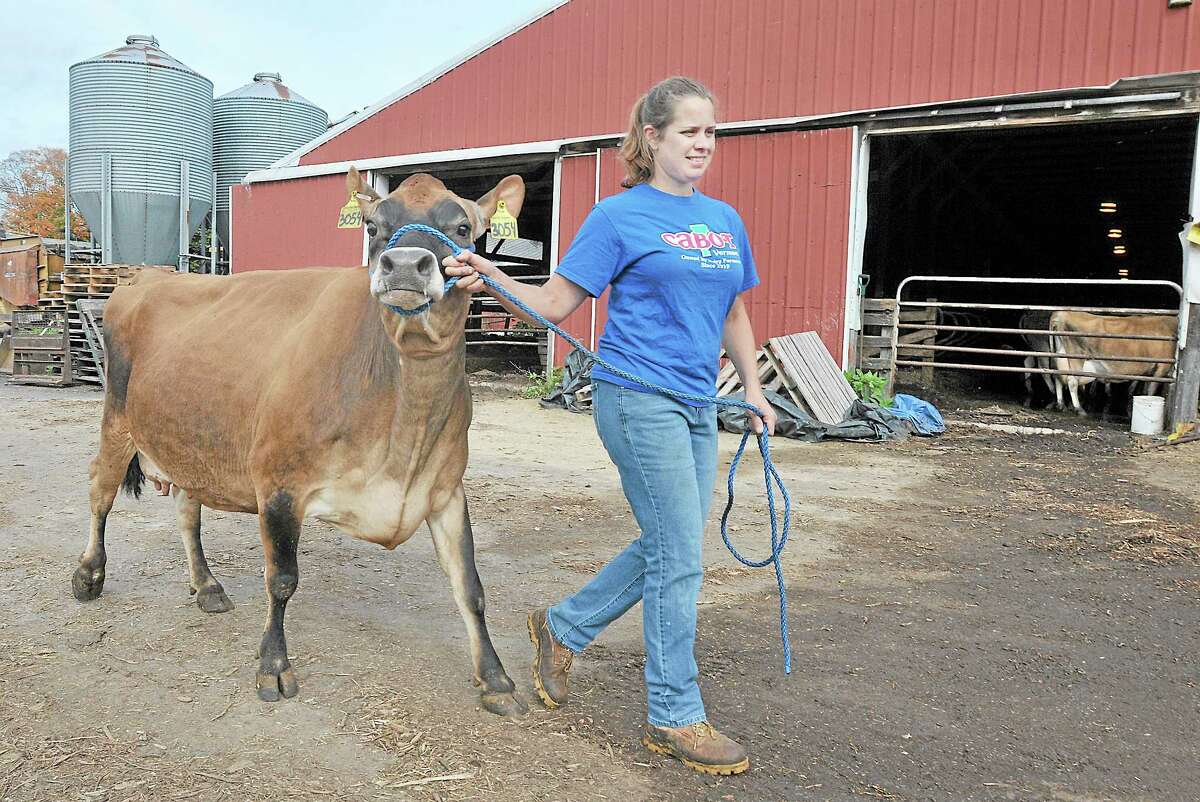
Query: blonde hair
{"x": 655, "y": 108}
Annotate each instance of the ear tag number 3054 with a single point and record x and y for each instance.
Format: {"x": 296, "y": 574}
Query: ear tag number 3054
{"x": 504, "y": 225}
{"x": 350, "y": 215}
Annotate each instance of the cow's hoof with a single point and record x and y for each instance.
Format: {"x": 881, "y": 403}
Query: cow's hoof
{"x": 272, "y": 686}
{"x": 212, "y": 599}
{"x": 87, "y": 584}
{"x": 504, "y": 704}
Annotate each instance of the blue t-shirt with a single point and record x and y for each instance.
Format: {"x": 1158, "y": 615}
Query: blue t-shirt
{"x": 676, "y": 264}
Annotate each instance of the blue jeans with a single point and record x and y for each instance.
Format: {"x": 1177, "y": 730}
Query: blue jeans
{"x": 666, "y": 453}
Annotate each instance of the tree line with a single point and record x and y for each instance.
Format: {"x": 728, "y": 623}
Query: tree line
{"x": 31, "y": 194}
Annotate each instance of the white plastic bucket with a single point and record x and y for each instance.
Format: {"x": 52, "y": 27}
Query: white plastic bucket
{"x": 1147, "y": 417}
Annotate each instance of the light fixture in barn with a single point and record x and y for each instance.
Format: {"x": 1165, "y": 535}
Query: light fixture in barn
{"x": 1119, "y": 250}
{"x": 1114, "y": 233}
{"x": 1123, "y": 272}
{"x": 1108, "y": 207}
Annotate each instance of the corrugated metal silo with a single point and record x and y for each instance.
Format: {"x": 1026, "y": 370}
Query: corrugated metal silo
{"x": 252, "y": 127}
{"x": 136, "y": 115}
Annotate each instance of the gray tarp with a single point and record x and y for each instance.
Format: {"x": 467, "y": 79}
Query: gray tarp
{"x": 577, "y": 374}
{"x": 864, "y": 421}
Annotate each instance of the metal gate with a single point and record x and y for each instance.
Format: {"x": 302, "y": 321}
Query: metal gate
{"x": 950, "y": 308}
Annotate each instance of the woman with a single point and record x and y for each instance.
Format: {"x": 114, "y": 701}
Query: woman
{"x": 677, "y": 262}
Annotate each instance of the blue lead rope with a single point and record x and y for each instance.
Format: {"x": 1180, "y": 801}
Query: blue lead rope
{"x": 779, "y": 535}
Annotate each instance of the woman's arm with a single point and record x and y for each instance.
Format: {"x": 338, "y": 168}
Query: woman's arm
{"x": 738, "y": 339}
{"x": 554, "y": 300}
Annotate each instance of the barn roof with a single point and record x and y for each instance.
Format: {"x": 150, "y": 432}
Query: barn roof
{"x": 354, "y": 118}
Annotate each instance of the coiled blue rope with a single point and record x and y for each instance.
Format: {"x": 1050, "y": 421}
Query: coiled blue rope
{"x": 779, "y": 534}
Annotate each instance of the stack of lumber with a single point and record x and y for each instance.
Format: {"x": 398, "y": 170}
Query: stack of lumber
{"x": 52, "y": 300}
{"x": 90, "y": 282}
{"x": 800, "y": 367}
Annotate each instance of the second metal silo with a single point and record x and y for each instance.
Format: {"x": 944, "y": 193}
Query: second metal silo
{"x": 140, "y": 143}
{"x": 255, "y": 125}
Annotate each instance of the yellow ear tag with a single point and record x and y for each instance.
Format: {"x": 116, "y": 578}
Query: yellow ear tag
{"x": 350, "y": 215}
{"x": 504, "y": 225}
{"x": 1193, "y": 234}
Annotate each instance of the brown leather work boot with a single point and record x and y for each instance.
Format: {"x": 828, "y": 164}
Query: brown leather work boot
{"x": 551, "y": 662}
{"x": 699, "y": 746}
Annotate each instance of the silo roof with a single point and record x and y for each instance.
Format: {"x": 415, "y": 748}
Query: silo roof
{"x": 267, "y": 86}
{"x": 140, "y": 49}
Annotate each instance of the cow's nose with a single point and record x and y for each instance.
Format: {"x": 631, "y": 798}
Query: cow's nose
{"x": 405, "y": 259}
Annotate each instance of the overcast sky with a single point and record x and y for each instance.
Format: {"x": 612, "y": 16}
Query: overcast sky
{"x": 341, "y": 56}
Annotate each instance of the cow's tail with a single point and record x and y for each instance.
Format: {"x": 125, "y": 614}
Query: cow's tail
{"x": 134, "y": 478}
{"x": 1056, "y": 345}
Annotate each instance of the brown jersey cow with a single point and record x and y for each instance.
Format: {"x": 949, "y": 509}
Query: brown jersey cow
{"x": 302, "y": 393}
{"x": 1111, "y": 355}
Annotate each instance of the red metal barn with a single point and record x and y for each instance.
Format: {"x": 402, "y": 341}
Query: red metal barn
{"x": 857, "y": 137}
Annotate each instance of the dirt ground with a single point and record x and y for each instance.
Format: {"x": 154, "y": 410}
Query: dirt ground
{"x": 980, "y": 616}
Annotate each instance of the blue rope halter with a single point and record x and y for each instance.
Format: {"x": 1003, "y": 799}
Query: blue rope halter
{"x": 779, "y": 534}
{"x": 433, "y": 232}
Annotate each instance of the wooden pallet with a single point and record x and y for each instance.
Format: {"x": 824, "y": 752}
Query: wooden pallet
{"x": 92, "y": 283}
{"x": 89, "y": 283}
{"x": 810, "y": 372}
{"x": 771, "y": 377}
{"x": 91, "y": 312}
{"x": 873, "y": 344}
{"x": 728, "y": 381}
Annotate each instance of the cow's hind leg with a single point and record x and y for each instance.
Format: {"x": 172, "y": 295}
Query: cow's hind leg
{"x": 1048, "y": 379}
{"x": 1073, "y": 385}
{"x": 210, "y": 596}
{"x": 279, "y": 525}
{"x": 455, "y": 545}
{"x": 1030, "y": 362}
{"x": 116, "y": 464}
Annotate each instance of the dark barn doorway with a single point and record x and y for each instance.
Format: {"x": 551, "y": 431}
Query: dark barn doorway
{"x": 1101, "y": 200}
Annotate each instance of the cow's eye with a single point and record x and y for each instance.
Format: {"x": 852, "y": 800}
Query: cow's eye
{"x": 372, "y": 229}
{"x": 464, "y": 230}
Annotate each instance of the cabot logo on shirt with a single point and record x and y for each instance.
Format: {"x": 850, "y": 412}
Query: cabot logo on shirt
{"x": 699, "y": 238}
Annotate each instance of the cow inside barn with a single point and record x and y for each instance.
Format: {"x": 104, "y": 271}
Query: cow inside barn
{"x": 1111, "y": 355}
{"x": 1033, "y": 323}
{"x": 303, "y": 393}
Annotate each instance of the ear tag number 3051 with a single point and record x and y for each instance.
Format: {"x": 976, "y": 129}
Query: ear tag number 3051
{"x": 350, "y": 215}
{"x": 504, "y": 225}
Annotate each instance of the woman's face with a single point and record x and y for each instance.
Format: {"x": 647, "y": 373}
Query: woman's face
{"x": 684, "y": 147}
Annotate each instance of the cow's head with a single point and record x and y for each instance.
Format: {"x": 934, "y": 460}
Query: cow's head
{"x": 409, "y": 274}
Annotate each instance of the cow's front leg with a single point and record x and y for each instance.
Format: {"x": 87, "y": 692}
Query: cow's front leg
{"x": 279, "y": 525}
{"x": 455, "y": 545}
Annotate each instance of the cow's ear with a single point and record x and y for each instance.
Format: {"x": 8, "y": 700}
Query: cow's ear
{"x": 359, "y": 188}
{"x": 511, "y": 190}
